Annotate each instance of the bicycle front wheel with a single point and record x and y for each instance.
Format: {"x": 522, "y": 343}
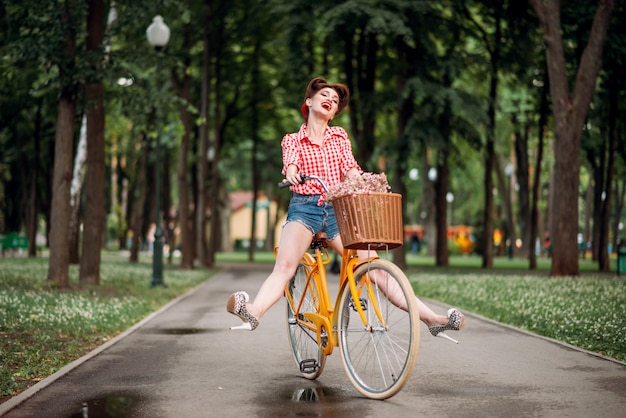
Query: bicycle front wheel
{"x": 302, "y": 334}
{"x": 379, "y": 355}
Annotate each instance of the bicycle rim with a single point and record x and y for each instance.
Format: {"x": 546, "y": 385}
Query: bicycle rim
{"x": 303, "y": 341}
{"x": 379, "y": 358}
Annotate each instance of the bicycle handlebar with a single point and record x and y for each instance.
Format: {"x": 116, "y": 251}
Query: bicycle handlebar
{"x": 284, "y": 184}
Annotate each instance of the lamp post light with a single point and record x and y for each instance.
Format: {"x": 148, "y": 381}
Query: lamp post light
{"x": 508, "y": 171}
{"x": 158, "y": 35}
{"x": 450, "y": 199}
{"x": 413, "y": 206}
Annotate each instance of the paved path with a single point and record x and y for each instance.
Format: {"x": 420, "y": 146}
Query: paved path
{"x": 184, "y": 362}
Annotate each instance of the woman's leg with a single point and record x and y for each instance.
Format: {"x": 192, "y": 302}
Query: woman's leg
{"x": 427, "y": 315}
{"x": 294, "y": 241}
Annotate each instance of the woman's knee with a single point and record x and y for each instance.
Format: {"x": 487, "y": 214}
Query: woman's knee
{"x": 285, "y": 268}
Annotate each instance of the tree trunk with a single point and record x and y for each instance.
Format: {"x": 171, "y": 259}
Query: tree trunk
{"x": 214, "y": 240}
{"x": 442, "y": 256}
{"x": 490, "y": 157}
{"x": 78, "y": 177}
{"x": 59, "y": 260}
{"x": 139, "y": 198}
{"x": 598, "y": 164}
{"x": 570, "y": 112}
{"x": 521, "y": 157}
{"x": 588, "y": 211}
{"x": 254, "y": 133}
{"x": 505, "y": 189}
{"x": 271, "y": 225}
{"x": 95, "y": 196}
{"x": 487, "y": 250}
{"x": 534, "y": 211}
{"x": 605, "y": 215}
{"x": 405, "y": 110}
{"x": 31, "y": 210}
{"x": 58, "y": 265}
{"x": 203, "y": 149}
{"x": 429, "y": 236}
{"x": 362, "y": 110}
{"x": 188, "y": 251}
{"x": 183, "y": 86}
{"x": 620, "y": 195}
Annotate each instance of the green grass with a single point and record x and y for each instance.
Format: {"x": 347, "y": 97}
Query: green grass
{"x": 587, "y": 312}
{"x": 43, "y": 328}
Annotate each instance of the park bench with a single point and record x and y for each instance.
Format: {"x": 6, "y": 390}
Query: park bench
{"x": 13, "y": 242}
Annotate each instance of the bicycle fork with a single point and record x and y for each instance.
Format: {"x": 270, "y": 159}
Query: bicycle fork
{"x": 368, "y": 283}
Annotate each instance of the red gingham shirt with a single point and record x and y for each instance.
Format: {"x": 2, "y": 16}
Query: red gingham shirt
{"x": 331, "y": 161}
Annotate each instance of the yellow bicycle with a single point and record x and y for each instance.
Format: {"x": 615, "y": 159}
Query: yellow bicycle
{"x": 374, "y": 320}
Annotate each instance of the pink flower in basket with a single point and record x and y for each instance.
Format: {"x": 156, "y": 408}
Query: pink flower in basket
{"x": 366, "y": 183}
{"x": 368, "y": 215}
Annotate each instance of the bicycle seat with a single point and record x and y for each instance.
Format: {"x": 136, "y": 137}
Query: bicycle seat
{"x": 320, "y": 239}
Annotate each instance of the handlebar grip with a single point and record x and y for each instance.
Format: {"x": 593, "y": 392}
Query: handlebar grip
{"x": 285, "y": 184}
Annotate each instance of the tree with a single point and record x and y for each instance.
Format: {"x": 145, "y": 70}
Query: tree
{"x": 182, "y": 81}
{"x": 534, "y": 210}
{"x": 602, "y": 141}
{"x": 58, "y": 268}
{"x": 569, "y": 112}
{"x": 491, "y": 40}
{"x": 95, "y": 213}
{"x": 358, "y": 31}
{"x": 203, "y": 146}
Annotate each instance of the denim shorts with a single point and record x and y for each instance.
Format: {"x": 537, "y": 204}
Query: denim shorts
{"x": 304, "y": 209}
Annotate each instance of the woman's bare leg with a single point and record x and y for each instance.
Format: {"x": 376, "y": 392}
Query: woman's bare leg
{"x": 427, "y": 315}
{"x": 294, "y": 241}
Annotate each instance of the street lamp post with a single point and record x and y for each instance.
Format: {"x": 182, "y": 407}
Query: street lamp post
{"x": 450, "y": 200}
{"x": 158, "y": 35}
{"x": 508, "y": 170}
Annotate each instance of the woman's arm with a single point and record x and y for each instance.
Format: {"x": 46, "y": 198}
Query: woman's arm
{"x": 291, "y": 155}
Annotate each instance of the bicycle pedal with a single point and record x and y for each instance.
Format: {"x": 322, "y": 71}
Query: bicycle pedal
{"x": 308, "y": 366}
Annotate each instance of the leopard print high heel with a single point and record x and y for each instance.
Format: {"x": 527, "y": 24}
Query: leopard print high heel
{"x": 236, "y": 305}
{"x": 456, "y": 321}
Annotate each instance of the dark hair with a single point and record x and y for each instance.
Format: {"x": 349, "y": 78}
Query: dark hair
{"x": 318, "y": 84}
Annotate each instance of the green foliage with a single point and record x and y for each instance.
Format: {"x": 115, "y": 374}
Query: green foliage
{"x": 43, "y": 329}
{"x": 261, "y": 56}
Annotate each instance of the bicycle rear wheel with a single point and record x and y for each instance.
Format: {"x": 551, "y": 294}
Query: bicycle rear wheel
{"x": 379, "y": 357}
{"x": 302, "y": 334}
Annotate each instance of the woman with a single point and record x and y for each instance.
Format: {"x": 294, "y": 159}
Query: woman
{"x": 325, "y": 151}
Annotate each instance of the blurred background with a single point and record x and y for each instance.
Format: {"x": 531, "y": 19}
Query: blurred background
{"x": 155, "y": 126}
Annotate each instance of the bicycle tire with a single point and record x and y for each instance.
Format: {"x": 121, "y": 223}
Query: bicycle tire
{"x": 306, "y": 352}
{"x": 378, "y": 360}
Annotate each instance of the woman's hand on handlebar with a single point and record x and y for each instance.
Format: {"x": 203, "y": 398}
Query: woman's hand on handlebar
{"x": 292, "y": 175}
{"x": 294, "y": 179}
{"x": 289, "y": 181}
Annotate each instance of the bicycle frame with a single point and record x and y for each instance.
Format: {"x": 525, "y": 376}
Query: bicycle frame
{"x": 325, "y": 319}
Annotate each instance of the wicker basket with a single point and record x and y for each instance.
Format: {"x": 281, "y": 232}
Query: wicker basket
{"x": 370, "y": 221}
